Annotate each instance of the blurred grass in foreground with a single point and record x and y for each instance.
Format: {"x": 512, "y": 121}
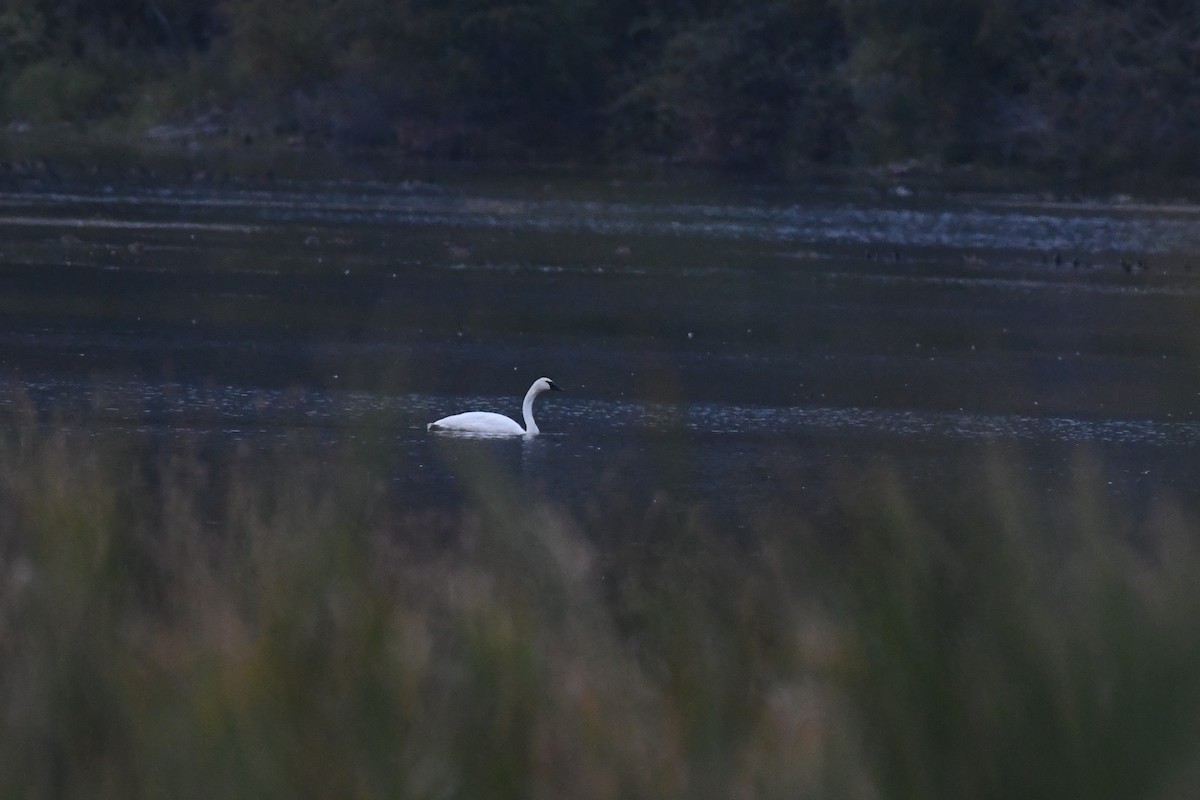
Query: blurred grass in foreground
{"x": 276, "y": 627}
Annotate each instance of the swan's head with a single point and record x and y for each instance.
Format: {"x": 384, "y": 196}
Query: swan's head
{"x": 546, "y": 385}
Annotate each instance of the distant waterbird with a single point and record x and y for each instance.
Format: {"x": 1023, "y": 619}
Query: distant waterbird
{"x": 487, "y": 423}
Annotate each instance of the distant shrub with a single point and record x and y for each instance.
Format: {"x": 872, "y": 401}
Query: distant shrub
{"x": 1114, "y": 87}
{"x": 748, "y": 87}
{"x": 762, "y": 85}
{"x": 54, "y": 91}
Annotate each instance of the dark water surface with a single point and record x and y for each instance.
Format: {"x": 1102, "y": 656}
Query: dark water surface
{"x": 735, "y": 345}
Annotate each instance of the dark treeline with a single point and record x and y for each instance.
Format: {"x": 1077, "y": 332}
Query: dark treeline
{"x": 756, "y": 84}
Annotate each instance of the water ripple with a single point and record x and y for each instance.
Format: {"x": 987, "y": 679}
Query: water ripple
{"x": 1001, "y": 224}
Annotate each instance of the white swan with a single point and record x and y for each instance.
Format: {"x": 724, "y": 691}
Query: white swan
{"x": 489, "y": 424}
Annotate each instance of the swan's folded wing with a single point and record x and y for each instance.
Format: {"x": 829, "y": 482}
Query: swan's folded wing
{"x": 478, "y": 422}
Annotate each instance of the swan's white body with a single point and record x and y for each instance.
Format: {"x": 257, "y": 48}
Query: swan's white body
{"x": 486, "y": 423}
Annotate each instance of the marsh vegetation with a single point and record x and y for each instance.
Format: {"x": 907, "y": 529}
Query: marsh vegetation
{"x": 274, "y": 623}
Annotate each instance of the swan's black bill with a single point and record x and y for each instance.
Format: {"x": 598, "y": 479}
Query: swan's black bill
{"x": 554, "y": 386}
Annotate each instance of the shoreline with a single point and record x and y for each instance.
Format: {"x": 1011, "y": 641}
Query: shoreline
{"x": 57, "y": 152}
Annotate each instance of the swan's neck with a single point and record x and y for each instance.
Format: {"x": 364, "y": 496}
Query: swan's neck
{"x": 527, "y": 410}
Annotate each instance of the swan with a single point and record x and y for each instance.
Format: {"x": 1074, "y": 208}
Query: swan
{"x": 489, "y": 424}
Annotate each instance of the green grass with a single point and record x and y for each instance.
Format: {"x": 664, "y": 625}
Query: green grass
{"x": 273, "y": 624}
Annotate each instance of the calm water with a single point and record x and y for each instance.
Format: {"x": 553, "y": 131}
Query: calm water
{"x": 735, "y": 345}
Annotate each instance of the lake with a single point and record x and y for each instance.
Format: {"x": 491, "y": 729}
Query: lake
{"x": 735, "y": 345}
